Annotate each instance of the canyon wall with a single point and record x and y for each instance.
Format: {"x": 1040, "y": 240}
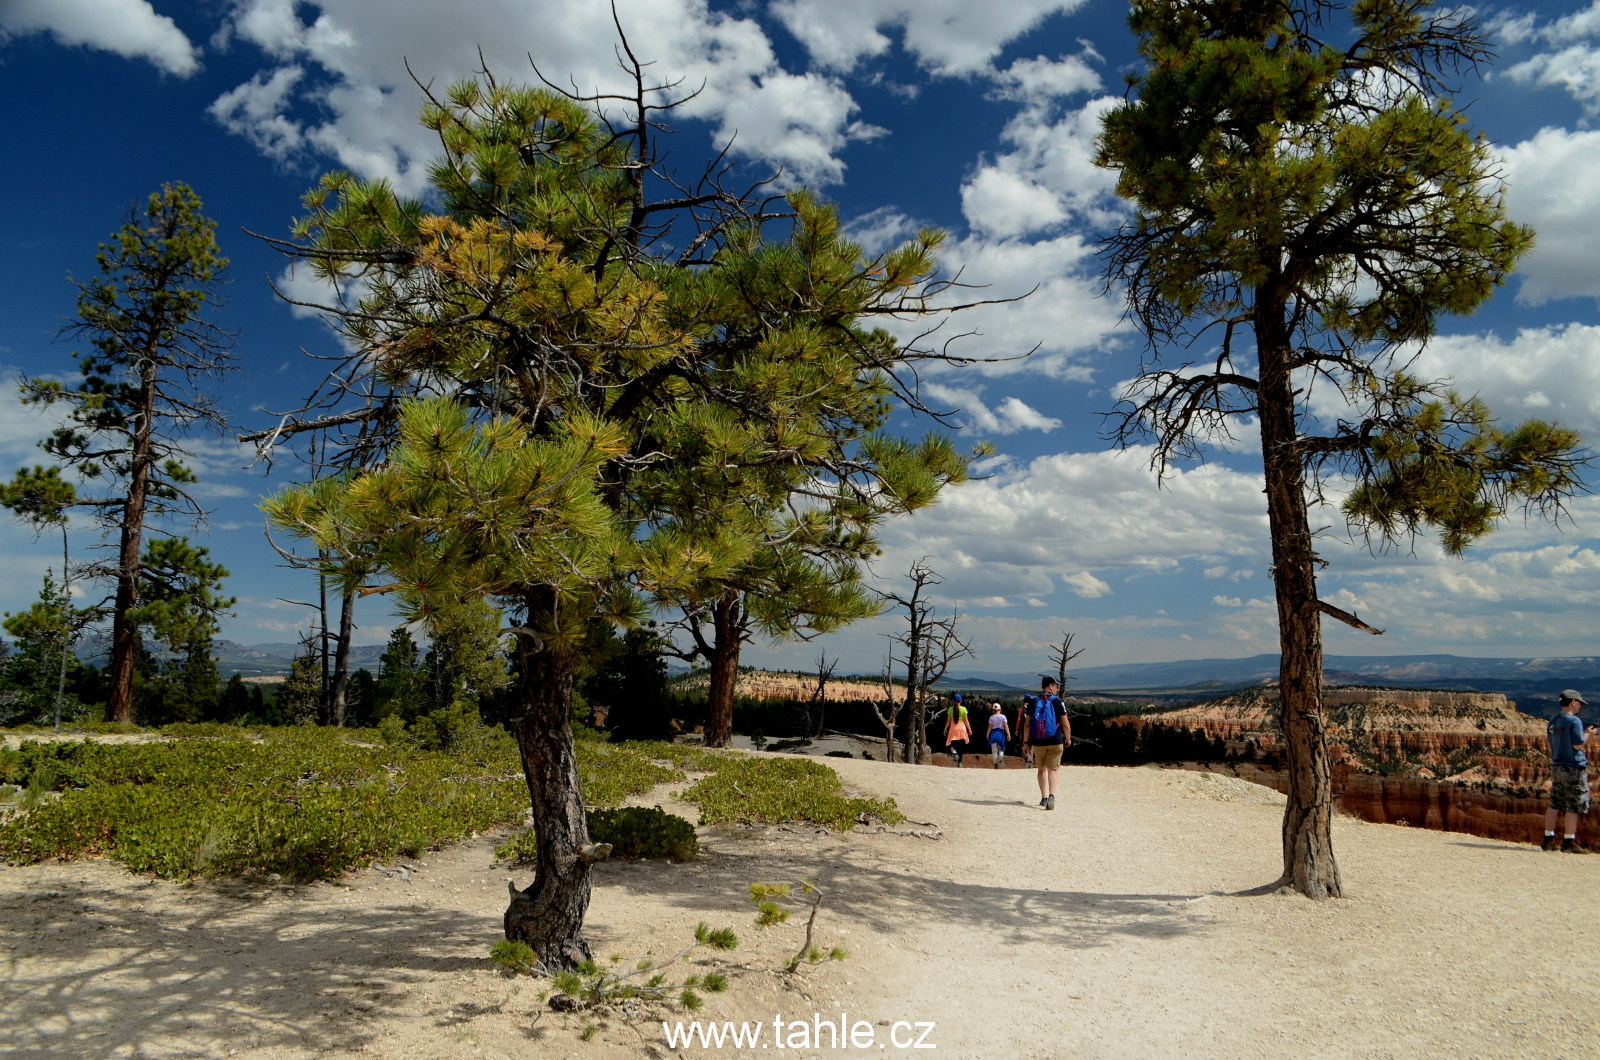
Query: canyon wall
{"x": 1457, "y": 761}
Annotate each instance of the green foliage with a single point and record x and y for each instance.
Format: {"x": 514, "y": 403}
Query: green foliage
{"x": 44, "y": 635}
{"x": 305, "y": 804}
{"x": 399, "y": 683}
{"x": 632, "y": 832}
{"x": 773, "y": 906}
{"x": 640, "y": 832}
{"x": 593, "y": 985}
{"x": 127, "y": 422}
{"x": 775, "y": 790}
{"x": 630, "y": 680}
{"x": 514, "y": 956}
{"x": 1300, "y": 170}
{"x": 303, "y": 801}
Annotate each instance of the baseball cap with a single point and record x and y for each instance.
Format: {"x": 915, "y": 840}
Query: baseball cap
{"x": 958, "y": 697}
{"x": 1572, "y": 693}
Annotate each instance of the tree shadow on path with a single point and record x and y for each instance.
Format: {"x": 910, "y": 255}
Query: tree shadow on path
{"x": 93, "y": 972}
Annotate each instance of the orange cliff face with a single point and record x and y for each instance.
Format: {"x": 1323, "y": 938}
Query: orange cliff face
{"x": 1459, "y": 761}
{"x": 1479, "y": 736}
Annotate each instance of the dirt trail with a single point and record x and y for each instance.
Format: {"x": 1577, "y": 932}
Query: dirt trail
{"x": 1089, "y": 932}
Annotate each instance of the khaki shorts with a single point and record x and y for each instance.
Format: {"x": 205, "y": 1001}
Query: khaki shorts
{"x": 1047, "y": 756}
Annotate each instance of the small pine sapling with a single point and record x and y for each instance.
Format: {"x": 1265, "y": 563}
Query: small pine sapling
{"x": 767, "y": 897}
{"x": 590, "y": 985}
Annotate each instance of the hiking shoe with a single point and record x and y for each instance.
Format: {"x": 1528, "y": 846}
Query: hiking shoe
{"x": 1050, "y": 802}
{"x": 1551, "y": 842}
{"x": 1044, "y": 804}
{"x": 1572, "y": 846}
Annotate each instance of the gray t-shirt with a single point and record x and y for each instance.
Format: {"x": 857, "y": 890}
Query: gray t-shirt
{"x": 1564, "y": 731}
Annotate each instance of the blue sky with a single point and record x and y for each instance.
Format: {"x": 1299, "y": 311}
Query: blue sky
{"x": 973, "y": 116}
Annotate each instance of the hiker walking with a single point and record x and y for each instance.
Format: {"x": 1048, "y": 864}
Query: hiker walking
{"x": 999, "y": 732}
{"x": 1024, "y": 745}
{"x": 1049, "y": 733}
{"x": 1569, "y": 773}
{"x": 956, "y": 730}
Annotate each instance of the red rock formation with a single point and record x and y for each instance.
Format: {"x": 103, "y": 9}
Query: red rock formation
{"x": 1389, "y": 749}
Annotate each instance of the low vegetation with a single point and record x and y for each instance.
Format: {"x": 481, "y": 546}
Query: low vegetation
{"x": 302, "y": 802}
{"x": 307, "y": 802}
{"x": 770, "y": 790}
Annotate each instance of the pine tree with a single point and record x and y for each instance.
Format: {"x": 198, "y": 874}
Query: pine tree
{"x": 140, "y": 398}
{"x": 43, "y": 666}
{"x": 1307, "y": 198}
{"x": 587, "y": 365}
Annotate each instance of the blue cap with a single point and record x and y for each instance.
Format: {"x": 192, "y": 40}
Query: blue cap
{"x": 958, "y": 697}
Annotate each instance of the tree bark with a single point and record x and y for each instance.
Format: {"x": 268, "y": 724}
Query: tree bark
{"x": 124, "y": 633}
{"x": 1308, "y": 861}
{"x": 341, "y": 659}
{"x": 548, "y": 913}
{"x": 728, "y": 631}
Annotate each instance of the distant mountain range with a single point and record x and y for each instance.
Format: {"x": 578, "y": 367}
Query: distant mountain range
{"x": 1524, "y": 679}
{"x": 250, "y": 660}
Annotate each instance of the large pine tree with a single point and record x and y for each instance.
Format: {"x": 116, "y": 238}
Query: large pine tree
{"x": 1307, "y": 203}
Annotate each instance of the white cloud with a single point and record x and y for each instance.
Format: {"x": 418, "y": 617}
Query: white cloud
{"x": 1009, "y": 417}
{"x": 1064, "y": 317}
{"x": 1220, "y": 571}
{"x": 1046, "y": 177}
{"x": 1227, "y": 601}
{"x": 254, "y": 110}
{"x": 879, "y": 230}
{"x": 1552, "y": 186}
{"x": 129, "y": 28}
{"x": 351, "y": 62}
{"x": 1086, "y": 585}
{"x": 1040, "y": 80}
{"x": 948, "y": 37}
{"x": 1547, "y": 373}
{"x": 1064, "y": 515}
{"x": 1574, "y": 64}
{"x": 998, "y": 203}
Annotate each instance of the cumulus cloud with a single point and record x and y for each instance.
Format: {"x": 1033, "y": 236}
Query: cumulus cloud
{"x": 1551, "y": 186}
{"x": 1009, "y": 417}
{"x": 1572, "y": 64}
{"x": 1548, "y": 373}
{"x": 948, "y": 37}
{"x": 1065, "y": 516}
{"x": 1040, "y": 80}
{"x": 1064, "y": 318}
{"x": 130, "y": 28}
{"x": 346, "y": 66}
{"x": 1087, "y": 585}
{"x": 1046, "y": 177}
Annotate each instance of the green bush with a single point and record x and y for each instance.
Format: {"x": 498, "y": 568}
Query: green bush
{"x": 633, "y": 832}
{"x": 770, "y": 790}
{"x": 640, "y": 832}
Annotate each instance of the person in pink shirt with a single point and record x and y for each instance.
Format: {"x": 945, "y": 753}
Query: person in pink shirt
{"x": 956, "y": 730}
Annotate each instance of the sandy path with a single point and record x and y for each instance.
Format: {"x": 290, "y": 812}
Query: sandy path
{"x": 1087, "y": 932}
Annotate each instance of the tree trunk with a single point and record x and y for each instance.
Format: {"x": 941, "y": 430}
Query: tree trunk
{"x": 66, "y": 628}
{"x": 325, "y": 705}
{"x": 727, "y": 629}
{"x": 341, "y": 659}
{"x": 548, "y": 914}
{"x": 1308, "y": 861}
{"x": 124, "y": 633}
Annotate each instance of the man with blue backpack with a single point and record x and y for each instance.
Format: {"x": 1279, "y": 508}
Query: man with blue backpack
{"x": 1049, "y": 733}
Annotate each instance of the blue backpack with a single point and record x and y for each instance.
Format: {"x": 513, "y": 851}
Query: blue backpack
{"x": 1044, "y": 719}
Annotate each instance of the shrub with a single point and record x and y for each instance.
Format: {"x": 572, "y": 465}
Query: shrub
{"x": 639, "y": 832}
{"x": 782, "y": 789}
{"x": 633, "y": 832}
